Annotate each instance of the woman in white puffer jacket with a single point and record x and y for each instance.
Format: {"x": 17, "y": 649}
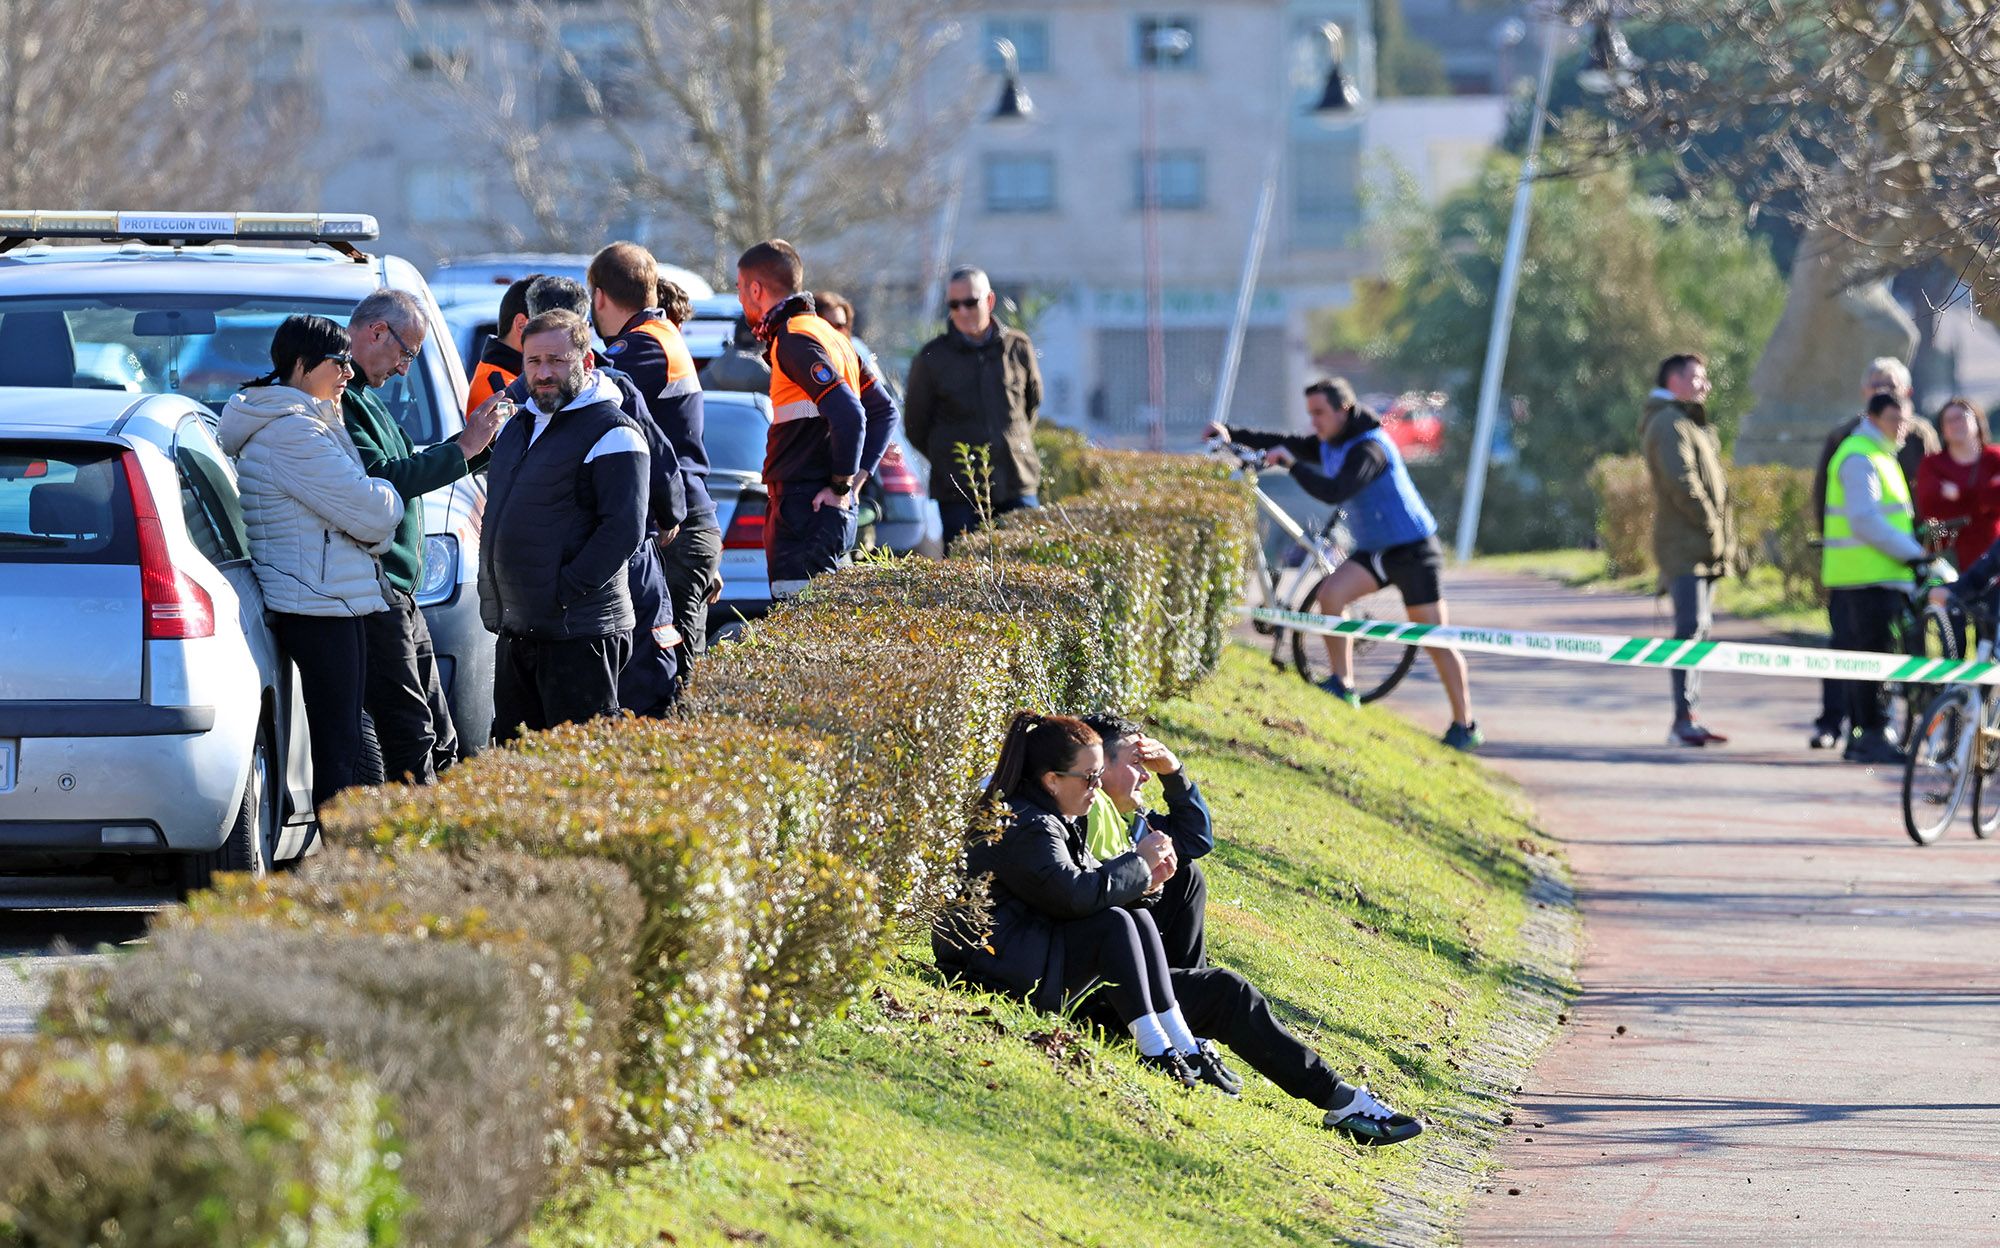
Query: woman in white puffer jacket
{"x": 317, "y": 521}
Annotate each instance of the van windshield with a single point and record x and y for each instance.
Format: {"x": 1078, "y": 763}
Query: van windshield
{"x": 200, "y": 345}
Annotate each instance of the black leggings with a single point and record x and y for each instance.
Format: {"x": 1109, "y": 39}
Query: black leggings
{"x": 1116, "y": 956}
{"x": 331, "y": 653}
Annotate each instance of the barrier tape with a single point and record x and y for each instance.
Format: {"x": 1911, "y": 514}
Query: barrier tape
{"x": 1664, "y": 653}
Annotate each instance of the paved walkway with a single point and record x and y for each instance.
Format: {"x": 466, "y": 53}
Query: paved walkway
{"x": 1790, "y": 1023}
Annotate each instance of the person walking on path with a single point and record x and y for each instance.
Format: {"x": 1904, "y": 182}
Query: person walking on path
{"x": 831, "y": 421}
{"x": 1694, "y": 538}
{"x": 976, "y": 385}
{"x": 1349, "y": 461}
{"x": 645, "y": 344}
{"x": 566, "y": 508}
{"x": 317, "y": 523}
{"x": 1962, "y": 482}
{"x": 1885, "y": 375}
{"x": 404, "y": 694}
{"x": 1868, "y": 547}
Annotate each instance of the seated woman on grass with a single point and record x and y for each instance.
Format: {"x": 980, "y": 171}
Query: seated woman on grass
{"x": 1065, "y": 931}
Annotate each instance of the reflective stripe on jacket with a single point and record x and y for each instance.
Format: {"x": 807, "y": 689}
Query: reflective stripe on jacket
{"x": 1847, "y": 560}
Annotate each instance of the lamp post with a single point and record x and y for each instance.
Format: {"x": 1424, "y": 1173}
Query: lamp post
{"x": 1338, "y": 101}
{"x": 1503, "y": 307}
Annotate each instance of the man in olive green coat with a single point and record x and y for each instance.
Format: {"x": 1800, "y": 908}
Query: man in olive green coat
{"x": 1693, "y": 541}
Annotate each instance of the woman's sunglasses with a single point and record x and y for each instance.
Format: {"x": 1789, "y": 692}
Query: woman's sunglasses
{"x": 341, "y": 360}
{"x": 1091, "y": 779}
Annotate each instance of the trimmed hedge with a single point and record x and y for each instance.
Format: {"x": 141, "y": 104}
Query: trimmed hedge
{"x": 128, "y": 1147}
{"x": 624, "y": 918}
{"x": 473, "y": 1023}
{"x": 1771, "y": 504}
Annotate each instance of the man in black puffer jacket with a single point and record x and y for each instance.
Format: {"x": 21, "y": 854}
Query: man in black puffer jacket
{"x": 565, "y": 509}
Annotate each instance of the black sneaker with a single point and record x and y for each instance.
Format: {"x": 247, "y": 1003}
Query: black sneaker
{"x": 1876, "y": 749}
{"x": 1173, "y": 1066}
{"x": 1207, "y": 1064}
{"x": 1370, "y": 1123}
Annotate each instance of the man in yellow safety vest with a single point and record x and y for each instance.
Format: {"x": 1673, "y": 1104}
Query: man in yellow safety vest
{"x": 1870, "y": 545}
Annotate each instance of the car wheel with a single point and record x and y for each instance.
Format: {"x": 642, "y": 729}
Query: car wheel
{"x": 253, "y": 834}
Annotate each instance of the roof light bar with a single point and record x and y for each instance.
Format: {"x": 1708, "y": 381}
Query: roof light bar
{"x": 186, "y": 227}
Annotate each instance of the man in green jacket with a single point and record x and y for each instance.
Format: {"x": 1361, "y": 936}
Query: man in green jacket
{"x": 404, "y": 696}
{"x": 1693, "y": 538}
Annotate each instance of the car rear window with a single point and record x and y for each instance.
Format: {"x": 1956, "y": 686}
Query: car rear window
{"x": 64, "y": 504}
{"x": 734, "y": 434}
{"x": 204, "y": 346}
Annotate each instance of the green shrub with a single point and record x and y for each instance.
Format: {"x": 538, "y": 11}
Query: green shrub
{"x": 119, "y": 1146}
{"x": 471, "y": 1043}
{"x": 713, "y": 822}
{"x": 1068, "y": 463}
{"x": 918, "y": 700}
{"x": 1624, "y": 513}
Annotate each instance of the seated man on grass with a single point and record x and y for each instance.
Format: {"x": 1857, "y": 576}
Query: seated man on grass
{"x": 1118, "y": 818}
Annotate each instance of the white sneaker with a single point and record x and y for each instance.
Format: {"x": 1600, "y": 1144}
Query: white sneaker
{"x": 1367, "y": 1121}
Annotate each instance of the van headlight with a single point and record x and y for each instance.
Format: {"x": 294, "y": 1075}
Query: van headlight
{"x": 440, "y": 569}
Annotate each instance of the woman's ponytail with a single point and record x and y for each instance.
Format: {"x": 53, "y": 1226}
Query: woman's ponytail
{"x": 1035, "y": 744}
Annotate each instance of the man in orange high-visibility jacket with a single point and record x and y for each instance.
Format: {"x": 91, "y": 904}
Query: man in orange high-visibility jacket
{"x": 831, "y": 419}
{"x": 648, "y": 348}
{"x": 500, "y": 359}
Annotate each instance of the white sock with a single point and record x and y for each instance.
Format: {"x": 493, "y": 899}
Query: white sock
{"x": 1177, "y": 1030}
{"x": 1149, "y": 1035}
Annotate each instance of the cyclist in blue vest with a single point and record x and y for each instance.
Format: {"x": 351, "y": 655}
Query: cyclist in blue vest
{"x": 1351, "y": 462}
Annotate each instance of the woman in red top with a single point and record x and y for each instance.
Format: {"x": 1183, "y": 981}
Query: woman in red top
{"x": 1963, "y": 480}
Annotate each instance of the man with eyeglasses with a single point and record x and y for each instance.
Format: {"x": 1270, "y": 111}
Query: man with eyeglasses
{"x": 404, "y": 694}
{"x": 976, "y": 386}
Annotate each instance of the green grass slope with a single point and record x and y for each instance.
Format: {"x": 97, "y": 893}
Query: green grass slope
{"x": 1368, "y": 880}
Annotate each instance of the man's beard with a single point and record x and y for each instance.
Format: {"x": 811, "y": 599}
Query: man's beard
{"x": 565, "y": 390}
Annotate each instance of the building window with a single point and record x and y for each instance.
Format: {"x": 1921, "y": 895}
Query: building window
{"x": 1326, "y": 190}
{"x": 443, "y": 194}
{"x": 604, "y": 60}
{"x": 1181, "y": 181}
{"x": 1020, "y": 182}
{"x": 1030, "y": 37}
{"x": 428, "y": 58}
{"x": 1164, "y": 43}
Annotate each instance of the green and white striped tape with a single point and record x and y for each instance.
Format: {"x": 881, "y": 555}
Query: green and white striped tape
{"x": 1659, "y": 652}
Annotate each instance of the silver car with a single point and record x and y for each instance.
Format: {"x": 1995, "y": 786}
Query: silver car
{"x": 735, "y": 428}
{"x": 145, "y": 713}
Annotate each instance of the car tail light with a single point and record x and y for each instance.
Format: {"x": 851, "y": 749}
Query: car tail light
{"x": 896, "y": 478}
{"x": 746, "y": 527}
{"x": 175, "y": 607}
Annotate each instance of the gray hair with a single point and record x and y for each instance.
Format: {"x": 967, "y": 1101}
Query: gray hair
{"x": 398, "y": 309}
{"x": 976, "y": 278}
{"x": 1890, "y": 369}
{"x": 550, "y": 293}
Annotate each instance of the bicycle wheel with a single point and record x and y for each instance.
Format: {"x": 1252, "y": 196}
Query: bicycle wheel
{"x": 1940, "y": 766}
{"x": 1986, "y": 767}
{"x": 1930, "y": 634}
{"x": 1379, "y": 666}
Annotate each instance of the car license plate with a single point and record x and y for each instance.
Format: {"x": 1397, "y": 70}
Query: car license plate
{"x": 7, "y": 749}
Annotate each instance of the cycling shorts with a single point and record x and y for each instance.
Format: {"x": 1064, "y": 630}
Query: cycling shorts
{"x": 1416, "y": 569}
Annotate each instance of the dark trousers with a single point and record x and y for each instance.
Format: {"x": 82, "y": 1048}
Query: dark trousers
{"x": 649, "y": 682}
{"x": 960, "y": 517}
{"x": 1181, "y": 913}
{"x": 539, "y": 684}
{"x": 1221, "y": 1005}
{"x": 1693, "y": 597}
{"x": 331, "y": 653}
{"x": 1863, "y": 619}
{"x": 1115, "y": 955}
{"x": 690, "y": 563}
{"x": 404, "y": 695}
{"x": 801, "y": 542}
{"x": 1832, "y": 706}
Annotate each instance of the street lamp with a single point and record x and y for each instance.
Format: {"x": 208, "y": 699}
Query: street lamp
{"x": 1014, "y": 103}
{"x": 1619, "y": 70}
{"x": 1613, "y": 69}
{"x": 1338, "y": 102}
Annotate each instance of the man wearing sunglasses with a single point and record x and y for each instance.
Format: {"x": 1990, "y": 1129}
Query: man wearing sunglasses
{"x": 976, "y": 386}
{"x": 404, "y": 694}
